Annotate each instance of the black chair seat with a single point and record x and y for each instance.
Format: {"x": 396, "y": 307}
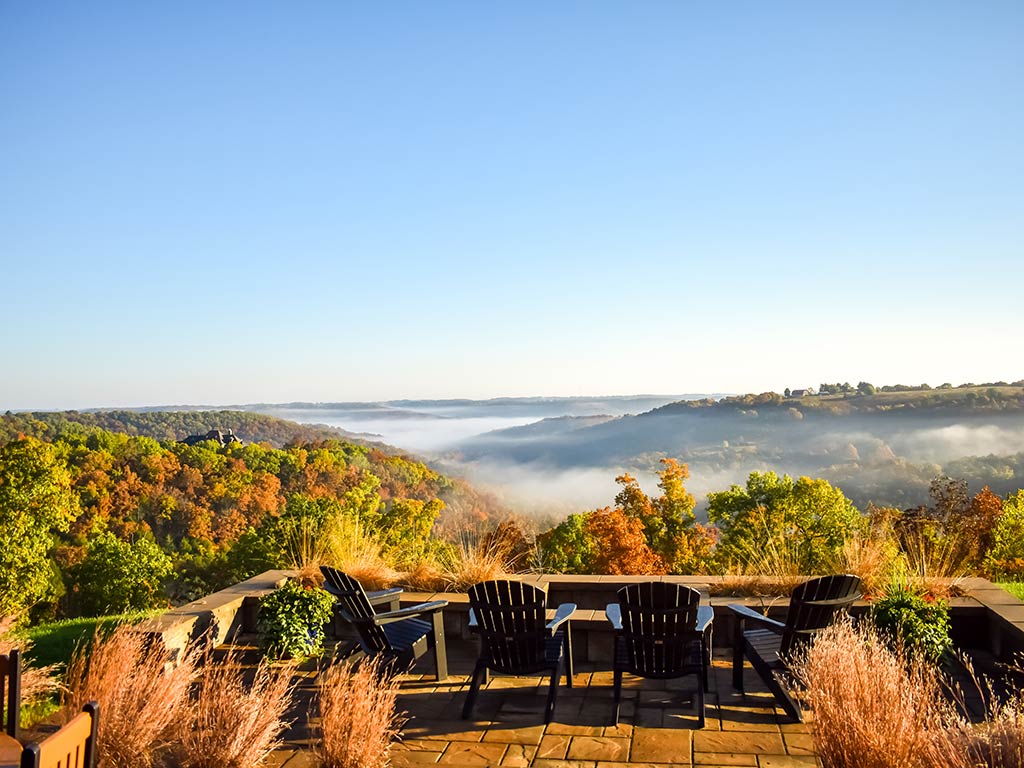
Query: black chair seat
{"x": 406, "y": 633}
{"x": 766, "y": 644}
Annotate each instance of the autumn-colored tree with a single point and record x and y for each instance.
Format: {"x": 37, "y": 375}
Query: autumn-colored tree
{"x": 199, "y": 501}
{"x": 620, "y": 544}
{"x": 669, "y": 522}
{"x": 973, "y": 531}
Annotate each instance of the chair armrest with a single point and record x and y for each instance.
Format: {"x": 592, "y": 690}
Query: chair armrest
{"x": 705, "y": 615}
{"x": 743, "y": 613}
{"x": 383, "y": 595}
{"x": 565, "y": 610}
{"x": 408, "y": 613}
{"x": 613, "y": 612}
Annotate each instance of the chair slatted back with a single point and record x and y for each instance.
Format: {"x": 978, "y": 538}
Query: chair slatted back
{"x": 10, "y": 691}
{"x": 512, "y": 622}
{"x": 814, "y": 605}
{"x": 659, "y": 623}
{"x": 350, "y": 597}
{"x": 73, "y": 746}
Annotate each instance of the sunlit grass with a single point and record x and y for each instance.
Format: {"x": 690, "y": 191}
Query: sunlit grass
{"x": 1015, "y": 588}
{"x": 53, "y": 642}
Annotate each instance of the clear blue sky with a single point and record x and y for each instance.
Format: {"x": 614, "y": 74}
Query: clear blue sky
{"x": 236, "y": 202}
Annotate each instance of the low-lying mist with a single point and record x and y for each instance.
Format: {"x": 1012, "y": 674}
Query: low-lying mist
{"x": 553, "y": 458}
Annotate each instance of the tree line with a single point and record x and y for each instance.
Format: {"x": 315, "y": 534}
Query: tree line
{"x": 96, "y": 520}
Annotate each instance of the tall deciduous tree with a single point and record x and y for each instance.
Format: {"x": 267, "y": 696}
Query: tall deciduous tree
{"x": 36, "y": 501}
{"x": 808, "y": 515}
{"x": 670, "y": 525}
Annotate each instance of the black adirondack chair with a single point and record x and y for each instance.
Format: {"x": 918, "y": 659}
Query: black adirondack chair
{"x": 399, "y": 636}
{"x": 10, "y": 691}
{"x": 812, "y": 607}
{"x": 516, "y": 637}
{"x": 661, "y": 632}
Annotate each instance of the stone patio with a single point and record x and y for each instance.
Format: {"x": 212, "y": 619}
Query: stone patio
{"x": 658, "y": 724}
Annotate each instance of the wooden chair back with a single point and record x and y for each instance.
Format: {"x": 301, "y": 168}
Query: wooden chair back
{"x": 511, "y": 619}
{"x": 351, "y": 598}
{"x": 813, "y": 606}
{"x": 659, "y": 623}
{"x": 10, "y": 691}
{"x": 73, "y": 746}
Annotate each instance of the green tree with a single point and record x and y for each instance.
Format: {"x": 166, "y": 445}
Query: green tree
{"x": 1005, "y": 558}
{"x": 866, "y": 388}
{"x": 118, "y": 576}
{"x": 808, "y": 516}
{"x": 404, "y": 528}
{"x": 36, "y": 501}
{"x": 568, "y": 547}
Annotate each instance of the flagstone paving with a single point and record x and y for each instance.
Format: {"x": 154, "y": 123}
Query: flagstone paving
{"x": 657, "y": 726}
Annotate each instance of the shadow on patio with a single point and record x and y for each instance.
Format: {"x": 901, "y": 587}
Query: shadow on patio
{"x": 658, "y": 724}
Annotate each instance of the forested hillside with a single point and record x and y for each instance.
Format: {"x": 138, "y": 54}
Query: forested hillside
{"x": 96, "y": 520}
{"x": 167, "y": 425}
{"x": 880, "y": 446}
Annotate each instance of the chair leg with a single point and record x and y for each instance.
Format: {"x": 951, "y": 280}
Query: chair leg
{"x": 737, "y": 655}
{"x": 706, "y": 646}
{"x": 700, "y": 704}
{"x": 479, "y": 672}
{"x": 568, "y": 654}
{"x": 616, "y": 695}
{"x": 789, "y": 704}
{"x": 440, "y": 651}
{"x": 549, "y": 711}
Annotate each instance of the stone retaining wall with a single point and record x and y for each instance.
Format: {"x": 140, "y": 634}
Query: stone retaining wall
{"x": 988, "y": 618}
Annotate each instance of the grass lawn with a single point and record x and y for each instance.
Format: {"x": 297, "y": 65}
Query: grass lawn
{"x": 1015, "y": 588}
{"x": 53, "y": 643}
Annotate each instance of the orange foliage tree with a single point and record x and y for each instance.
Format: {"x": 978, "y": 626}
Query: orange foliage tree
{"x": 620, "y": 544}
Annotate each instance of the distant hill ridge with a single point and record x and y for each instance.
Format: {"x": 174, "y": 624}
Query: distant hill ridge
{"x": 954, "y": 400}
{"x": 175, "y": 425}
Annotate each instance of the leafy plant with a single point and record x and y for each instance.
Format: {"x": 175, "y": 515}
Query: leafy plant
{"x": 919, "y": 625}
{"x": 291, "y": 620}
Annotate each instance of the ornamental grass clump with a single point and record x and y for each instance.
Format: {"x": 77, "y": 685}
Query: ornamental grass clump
{"x": 140, "y": 695}
{"x": 873, "y": 706}
{"x": 878, "y": 707}
{"x": 233, "y": 723}
{"x": 358, "y": 720}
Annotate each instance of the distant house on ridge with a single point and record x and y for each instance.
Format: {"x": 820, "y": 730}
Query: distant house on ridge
{"x": 224, "y": 438}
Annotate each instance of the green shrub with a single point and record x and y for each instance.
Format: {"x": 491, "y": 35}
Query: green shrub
{"x": 921, "y": 625}
{"x": 291, "y": 620}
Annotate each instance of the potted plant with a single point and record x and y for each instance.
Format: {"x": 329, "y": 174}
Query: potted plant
{"x": 291, "y": 620}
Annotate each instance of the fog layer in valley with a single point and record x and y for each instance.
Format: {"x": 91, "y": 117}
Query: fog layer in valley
{"x": 562, "y": 455}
